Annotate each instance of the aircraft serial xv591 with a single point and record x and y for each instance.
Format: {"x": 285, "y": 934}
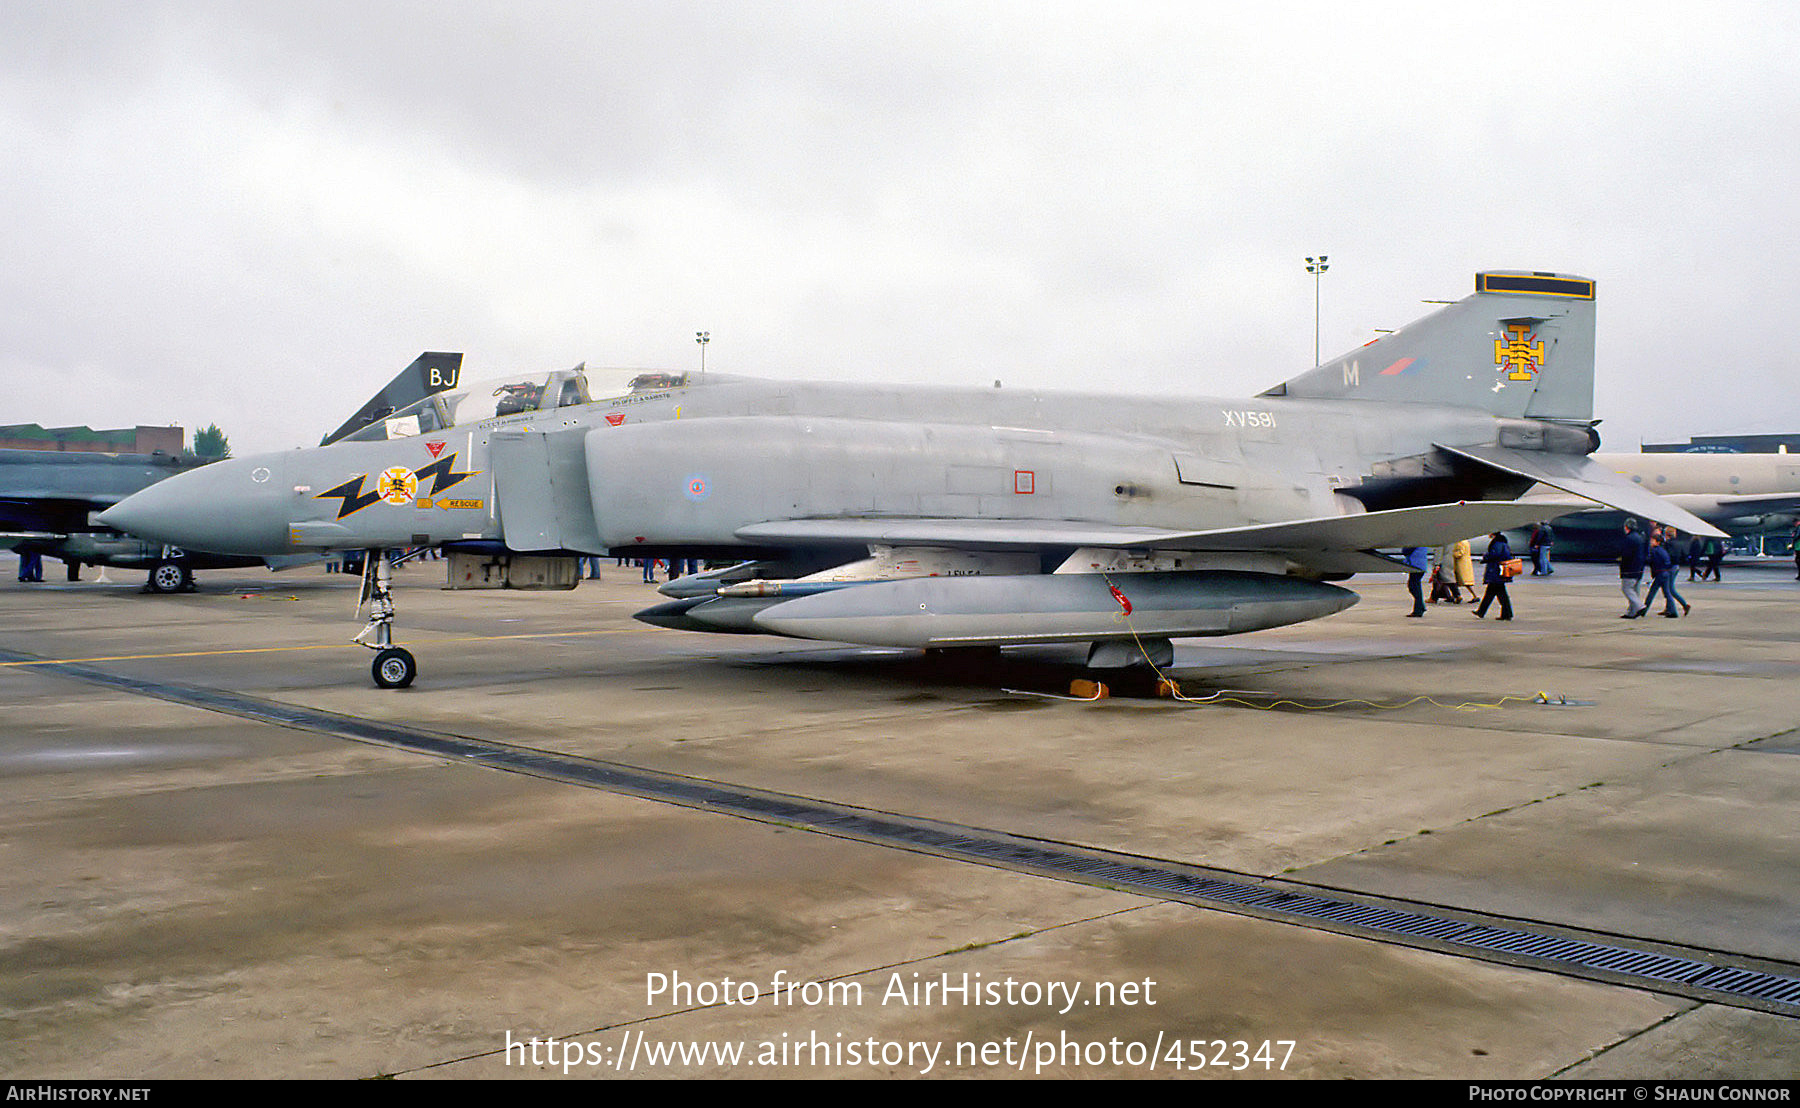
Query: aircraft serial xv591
{"x": 938, "y": 518}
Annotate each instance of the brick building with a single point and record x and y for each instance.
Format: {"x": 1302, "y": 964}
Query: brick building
{"x": 123, "y": 440}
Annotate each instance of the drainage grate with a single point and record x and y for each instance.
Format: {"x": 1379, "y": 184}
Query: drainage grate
{"x": 1694, "y": 977}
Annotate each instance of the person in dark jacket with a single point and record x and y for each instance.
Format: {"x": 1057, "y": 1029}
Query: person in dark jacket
{"x": 1663, "y": 568}
{"x": 1542, "y": 538}
{"x": 1499, "y": 552}
{"x": 1633, "y": 549}
{"x": 1416, "y": 565}
{"x": 1715, "y": 556}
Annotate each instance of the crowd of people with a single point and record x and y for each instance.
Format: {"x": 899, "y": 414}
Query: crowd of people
{"x": 589, "y": 566}
{"x": 1654, "y": 551}
{"x": 1452, "y": 572}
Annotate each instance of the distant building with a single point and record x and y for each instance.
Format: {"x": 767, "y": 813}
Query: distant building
{"x": 124, "y": 440}
{"x": 1729, "y": 444}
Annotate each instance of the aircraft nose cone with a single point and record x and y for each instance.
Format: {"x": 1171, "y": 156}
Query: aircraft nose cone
{"x": 228, "y": 507}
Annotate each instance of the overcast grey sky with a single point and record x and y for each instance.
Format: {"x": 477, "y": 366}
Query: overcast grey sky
{"x": 255, "y": 213}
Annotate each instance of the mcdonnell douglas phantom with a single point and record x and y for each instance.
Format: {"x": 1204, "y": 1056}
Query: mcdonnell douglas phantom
{"x": 945, "y": 518}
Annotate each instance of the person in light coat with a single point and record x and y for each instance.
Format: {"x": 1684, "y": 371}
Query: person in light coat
{"x": 1465, "y": 567}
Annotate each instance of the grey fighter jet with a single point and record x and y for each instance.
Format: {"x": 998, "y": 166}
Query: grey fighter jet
{"x": 48, "y": 499}
{"x": 943, "y": 518}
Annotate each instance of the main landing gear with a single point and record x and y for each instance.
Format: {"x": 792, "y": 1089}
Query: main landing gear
{"x": 394, "y": 667}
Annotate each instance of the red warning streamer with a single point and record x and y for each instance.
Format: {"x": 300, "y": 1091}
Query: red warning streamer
{"x": 1120, "y": 597}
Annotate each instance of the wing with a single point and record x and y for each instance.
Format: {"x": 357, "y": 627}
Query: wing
{"x": 1327, "y": 544}
{"x": 1587, "y": 478}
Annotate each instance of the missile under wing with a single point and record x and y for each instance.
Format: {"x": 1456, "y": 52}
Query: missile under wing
{"x": 933, "y": 517}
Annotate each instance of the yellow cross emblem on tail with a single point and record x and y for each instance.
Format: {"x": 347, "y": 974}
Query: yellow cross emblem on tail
{"x": 1525, "y": 358}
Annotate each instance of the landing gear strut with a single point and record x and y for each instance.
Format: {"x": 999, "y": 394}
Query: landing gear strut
{"x": 394, "y": 666}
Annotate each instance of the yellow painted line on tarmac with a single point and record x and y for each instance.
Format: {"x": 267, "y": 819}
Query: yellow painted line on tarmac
{"x": 552, "y": 634}
{"x": 320, "y": 646}
{"x": 182, "y": 654}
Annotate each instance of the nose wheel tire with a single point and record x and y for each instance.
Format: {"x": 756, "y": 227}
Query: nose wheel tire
{"x": 394, "y": 668}
{"x": 170, "y": 577}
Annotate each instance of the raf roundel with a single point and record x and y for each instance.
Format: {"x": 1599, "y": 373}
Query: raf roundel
{"x": 696, "y": 488}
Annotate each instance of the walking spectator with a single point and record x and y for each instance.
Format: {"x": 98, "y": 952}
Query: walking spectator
{"x": 1633, "y": 550}
{"x": 1541, "y": 539}
{"x": 1715, "y": 556}
{"x": 1662, "y": 577}
{"x": 1494, "y": 576}
{"x": 1443, "y": 579}
{"x": 1415, "y": 578}
{"x": 1465, "y": 567}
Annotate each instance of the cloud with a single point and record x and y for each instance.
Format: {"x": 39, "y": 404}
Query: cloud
{"x": 254, "y": 214}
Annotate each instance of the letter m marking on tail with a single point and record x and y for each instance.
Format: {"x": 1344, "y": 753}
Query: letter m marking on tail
{"x": 1352, "y": 374}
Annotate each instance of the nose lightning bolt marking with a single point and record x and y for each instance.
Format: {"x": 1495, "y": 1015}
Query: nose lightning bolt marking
{"x": 443, "y": 473}
{"x": 351, "y": 497}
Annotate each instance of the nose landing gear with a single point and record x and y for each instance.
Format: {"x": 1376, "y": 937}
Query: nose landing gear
{"x": 171, "y": 572}
{"x": 394, "y": 667}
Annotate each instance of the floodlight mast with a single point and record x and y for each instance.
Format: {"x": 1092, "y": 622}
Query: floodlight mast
{"x": 1316, "y": 267}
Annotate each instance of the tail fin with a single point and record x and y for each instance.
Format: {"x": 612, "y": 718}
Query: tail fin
{"x": 429, "y": 373}
{"x": 1521, "y": 347}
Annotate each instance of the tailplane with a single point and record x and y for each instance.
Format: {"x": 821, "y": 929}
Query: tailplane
{"x": 1521, "y": 347}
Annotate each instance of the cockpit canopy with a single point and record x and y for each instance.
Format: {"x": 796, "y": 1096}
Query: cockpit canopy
{"x": 515, "y": 395}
